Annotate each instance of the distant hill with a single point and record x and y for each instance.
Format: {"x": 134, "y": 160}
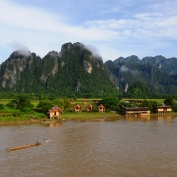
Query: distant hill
{"x": 155, "y": 72}
{"x": 72, "y": 71}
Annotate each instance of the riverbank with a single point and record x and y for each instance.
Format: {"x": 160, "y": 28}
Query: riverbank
{"x": 65, "y": 117}
{"x": 81, "y": 117}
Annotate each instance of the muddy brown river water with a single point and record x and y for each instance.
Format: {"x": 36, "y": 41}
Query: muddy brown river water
{"x": 129, "y": 147}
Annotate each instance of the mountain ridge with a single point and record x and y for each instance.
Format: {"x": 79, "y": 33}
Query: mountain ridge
{"x": 75, "y": 70}
{"x": 72, "y": 71}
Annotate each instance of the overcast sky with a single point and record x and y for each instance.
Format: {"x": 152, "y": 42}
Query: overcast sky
{"x": 112, "y": 28}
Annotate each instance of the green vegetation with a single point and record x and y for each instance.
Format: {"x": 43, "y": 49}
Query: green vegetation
{"x": 111, "y": 103}
{"x": 90, "y": 116}
{"x": 19, "y": 109}
{"x": 22, "y": 108}
{"x": 138, "y": 90}
{"x": 157, "y": 73}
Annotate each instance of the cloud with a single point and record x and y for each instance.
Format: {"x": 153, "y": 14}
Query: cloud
{"x": 140, "y": 31}
{"x": 141, "y": 25}
{"x": 115, "y": 9}
{"x": 22, "y": 49}
{"x": 29, "y": 18}
{"x": 43, "y": 31}
{"x": 124, "y": 69}
{"x": 93, "y": 49}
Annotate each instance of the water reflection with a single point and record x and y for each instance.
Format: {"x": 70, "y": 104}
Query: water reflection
{"x": 132, "y": 119}
{"x": 159, "y": 118}
{"x": 56, "y": 124}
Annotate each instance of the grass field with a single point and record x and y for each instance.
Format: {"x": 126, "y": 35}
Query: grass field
{"x": 35, "y": 103}
{"x": 158, "y": 100}
{"x": 80, "y": 101}
{"x": 4, "y": 101}
{"x": 84, "y": 116}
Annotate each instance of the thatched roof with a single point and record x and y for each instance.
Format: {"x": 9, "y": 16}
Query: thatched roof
{"x": 55, "y": 108}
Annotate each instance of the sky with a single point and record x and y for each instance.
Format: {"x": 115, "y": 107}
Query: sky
{"x": 111, "y": 29}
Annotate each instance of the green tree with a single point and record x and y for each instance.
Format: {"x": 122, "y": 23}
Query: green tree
{"x": 111, "y": 103}
{"x": 169, "y": 101}
{"x": 21, "y": 102}
{"x": 1, "y": 106}
{"x": 45, "y": 105}
{"x": 138, "y": 90}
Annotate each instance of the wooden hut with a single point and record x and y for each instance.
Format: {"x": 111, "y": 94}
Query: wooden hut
{"x": 54, "y": 112}
{"x": 77, "y": 108}
{"x": 101, "y": 108}
{"x": 163, "y": 109}
{"x": 90, "y": 108}
{"x": 72, "y": 101}
{"x": 84, "y": 101}
{"x": 96, "y": 101}
{"x": 136, "y": 111}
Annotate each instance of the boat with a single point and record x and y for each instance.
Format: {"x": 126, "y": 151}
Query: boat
{"x": 24, "y": 146}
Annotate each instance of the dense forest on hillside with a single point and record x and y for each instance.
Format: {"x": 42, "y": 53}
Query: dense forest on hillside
{"x": 74, "y": 72}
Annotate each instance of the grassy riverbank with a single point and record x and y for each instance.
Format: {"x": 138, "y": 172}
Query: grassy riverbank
{"x": 34, "y": 117}
{"x": 89, "y": 116}
{"x": 14, "y": 116}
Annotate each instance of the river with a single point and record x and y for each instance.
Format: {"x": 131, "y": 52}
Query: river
{"x": 129, "y": 147}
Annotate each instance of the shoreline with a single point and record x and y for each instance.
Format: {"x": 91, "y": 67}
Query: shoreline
{"x": 85, "y": 117}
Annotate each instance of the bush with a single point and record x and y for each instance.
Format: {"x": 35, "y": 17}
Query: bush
{"x": 26, "y": 110}
{"x": 2, "y": 106}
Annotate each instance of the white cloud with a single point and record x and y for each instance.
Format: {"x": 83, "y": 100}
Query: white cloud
{"x": 38, "y": 20}
{"x": 138, "y": 33}
{"x": 93, "y": 49}
{"x": 114, "y": 9}
{"x": 124, "y": 69}
{"x": 22, "y": 49}
{"x": 42, "y": 31}
{"x": 141, "y": 25}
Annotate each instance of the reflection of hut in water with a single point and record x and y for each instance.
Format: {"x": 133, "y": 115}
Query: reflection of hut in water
{"x": 163, "y": 109}
{"x": 77, "y": 108}
{"x": 136, "y": 111}
{"x": 55, "y": 112}
{"x": 90, "y": 108}
{"x": 55, "y": 124}
{"x": 101, "y": 108}
{"x": 135, "y": 118}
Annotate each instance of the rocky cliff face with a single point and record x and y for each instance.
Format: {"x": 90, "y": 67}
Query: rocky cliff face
{"x": 16, "y": 64}
{"x": 72, "y": 70}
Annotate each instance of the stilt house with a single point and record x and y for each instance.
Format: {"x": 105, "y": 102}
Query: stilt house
{"x": 101, "y": 108}
{"x": 77, "y": 108}
{"x": 54, "y": 112}
{"x": 90, "y": 108}
{"x": 163, "y": 109}
{"x": 136, "y": 111}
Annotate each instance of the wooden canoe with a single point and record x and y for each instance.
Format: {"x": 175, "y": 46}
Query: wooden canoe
{"x": 24, "y": 146}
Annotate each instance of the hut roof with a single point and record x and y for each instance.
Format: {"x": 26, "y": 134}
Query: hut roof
{"x": 136, "y": 108}
{"x": 163, "y": 106}
{"x": 55, "y": 108}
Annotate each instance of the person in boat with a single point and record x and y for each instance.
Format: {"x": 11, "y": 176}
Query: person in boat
{"x": 37, "y": 142}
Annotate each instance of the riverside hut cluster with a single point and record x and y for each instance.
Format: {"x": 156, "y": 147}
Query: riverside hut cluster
{"x": 55, "y": 112}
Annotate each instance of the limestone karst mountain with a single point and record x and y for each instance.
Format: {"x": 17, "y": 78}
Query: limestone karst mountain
{"x": 72, "y": 71}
